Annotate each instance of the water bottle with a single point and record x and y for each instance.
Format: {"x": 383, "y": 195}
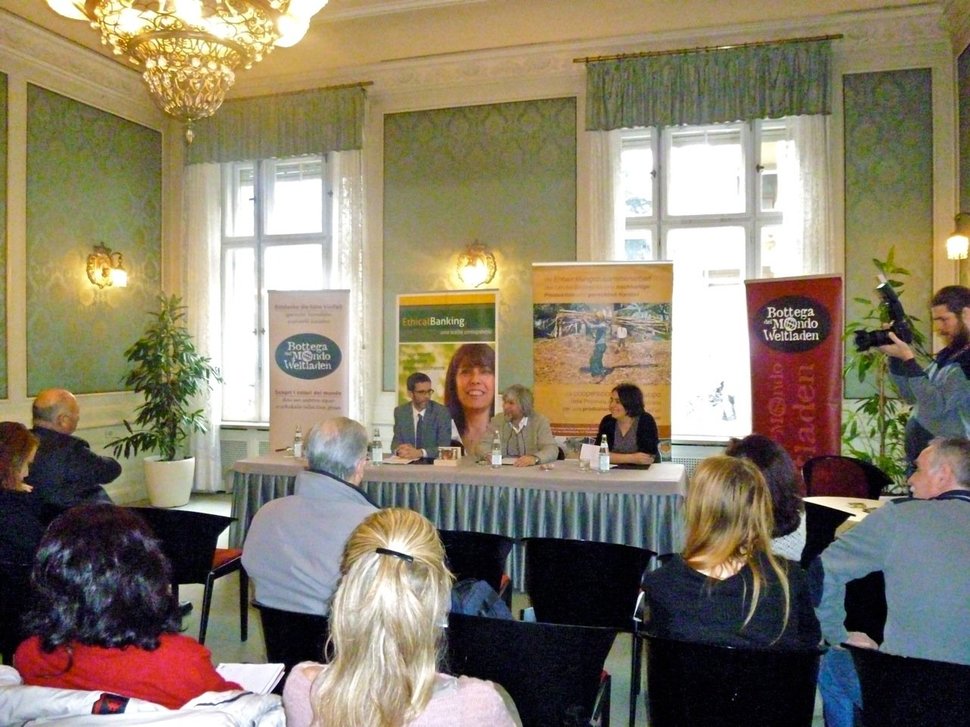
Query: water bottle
{"x": 376, "y": 448}
{"x": 496, "y": 450}
{"x": 604, "y": 460}
{"x": 298, "y": 442}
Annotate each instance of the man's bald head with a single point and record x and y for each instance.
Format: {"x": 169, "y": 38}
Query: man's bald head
{"x": 56, "y": 409}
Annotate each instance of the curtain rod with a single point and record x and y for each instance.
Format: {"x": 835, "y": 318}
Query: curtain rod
{"x": 336, "y": 87}
{"x": 678, "y": 51}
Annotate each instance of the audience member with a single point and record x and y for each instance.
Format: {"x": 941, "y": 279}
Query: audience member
{"x": 921, "y": 546}
{"x": 65, "y": 471}
{"x": 524, "y": 433}
{"x": 21, "y": 526}
{"x": 386, "y": 626}
{"x": 788, "y": 534}
{"x": 470, "y": 394}
{"x": 292, "y": 550}
{"x": 727, "y": 587}
{"x": 423, "y": 425}
{"x": 630, "y": 431}
{"x": 103, "y": 617}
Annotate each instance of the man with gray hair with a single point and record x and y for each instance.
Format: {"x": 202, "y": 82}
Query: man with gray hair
{"x": 921, "y": 546}
{"x": 294, "y": 545}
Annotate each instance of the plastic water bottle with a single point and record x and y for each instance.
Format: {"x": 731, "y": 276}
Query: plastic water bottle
{"x": 496, "y": 450}
{"x": 298, "y": 442}
{"x": 604, "y": 459}
{"x": 376, "y": 448}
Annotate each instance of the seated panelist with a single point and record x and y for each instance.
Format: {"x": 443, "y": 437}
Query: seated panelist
{"x": 630, "y": 430}
{"x": 423, "y": 425}
{"x": 524, "y": 433}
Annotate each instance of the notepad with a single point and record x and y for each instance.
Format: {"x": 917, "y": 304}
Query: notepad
{"x": 256, "y": 678}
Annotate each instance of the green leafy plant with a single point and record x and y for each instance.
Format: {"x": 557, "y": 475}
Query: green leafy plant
{"x": 874, "y": 429}
{"x": 168, "y": 370}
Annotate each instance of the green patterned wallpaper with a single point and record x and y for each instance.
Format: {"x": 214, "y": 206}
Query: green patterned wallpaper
{"x": 3, "y": 235}
{"x": 888, "y": 186}
{"x": 92, "y": 177}
{"x": 504, "y": 174}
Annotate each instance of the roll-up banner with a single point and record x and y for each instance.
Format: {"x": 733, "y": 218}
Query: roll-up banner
{"x": 309, "y": 373}
{"x": 596, "y": 325}
{"x": 795, "y": 336}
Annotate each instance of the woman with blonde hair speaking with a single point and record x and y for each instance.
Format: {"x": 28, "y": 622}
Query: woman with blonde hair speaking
{"x": 727, "y": 587}
{"x": 386, "y": 623}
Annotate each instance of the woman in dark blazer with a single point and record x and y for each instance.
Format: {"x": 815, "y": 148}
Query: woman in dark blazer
{"x": 630, "y": 431}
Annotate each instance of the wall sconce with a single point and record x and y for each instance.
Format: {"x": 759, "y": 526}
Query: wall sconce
{"x": 958, "y": 243}
{"x": 105, "y": 268}
{"x": 476, "y": 266}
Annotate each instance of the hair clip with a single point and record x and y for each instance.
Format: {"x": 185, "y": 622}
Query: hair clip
{"x": 403, "y": 556}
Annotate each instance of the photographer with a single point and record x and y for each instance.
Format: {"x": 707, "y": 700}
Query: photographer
{"x": 941, "y": 392}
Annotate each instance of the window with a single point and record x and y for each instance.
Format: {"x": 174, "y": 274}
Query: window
{"x": 712, "y": 199}
{"x": 276, "y": 236}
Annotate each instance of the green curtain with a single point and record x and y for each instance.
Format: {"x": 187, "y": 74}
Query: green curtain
{"x": 284, "y": 125}
{"x": 709, "y": 86}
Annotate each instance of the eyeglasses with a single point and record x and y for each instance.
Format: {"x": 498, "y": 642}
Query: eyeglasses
{"x": 423, "y": 392}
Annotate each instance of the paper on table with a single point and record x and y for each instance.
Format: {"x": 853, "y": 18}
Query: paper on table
{"x": 394, "y": 459}
{"x": 590, "y": 452}
{"x": 256, "y": 678}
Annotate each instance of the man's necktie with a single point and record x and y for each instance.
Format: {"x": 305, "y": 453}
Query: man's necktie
{"x": 419, "y": 432}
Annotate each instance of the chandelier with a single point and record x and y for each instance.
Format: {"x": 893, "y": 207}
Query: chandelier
{"x": 190, "y": 49}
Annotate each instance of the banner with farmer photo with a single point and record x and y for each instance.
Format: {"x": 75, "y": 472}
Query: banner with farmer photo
{"x": 596, "y": 325}
{"x": 309, "y": 375}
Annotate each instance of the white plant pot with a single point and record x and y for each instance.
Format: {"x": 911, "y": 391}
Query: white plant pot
{"x": 169, "y": 483}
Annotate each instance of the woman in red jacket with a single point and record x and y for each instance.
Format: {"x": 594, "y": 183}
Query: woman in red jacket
{"x": 102, "y": 615}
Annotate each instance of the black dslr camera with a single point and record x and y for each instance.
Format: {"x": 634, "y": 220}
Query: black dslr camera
{"x": 864, "y": 340}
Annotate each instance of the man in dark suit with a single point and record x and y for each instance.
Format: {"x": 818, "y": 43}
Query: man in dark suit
{"x": 65, "y": 471}
{"x": 421, "y": 426}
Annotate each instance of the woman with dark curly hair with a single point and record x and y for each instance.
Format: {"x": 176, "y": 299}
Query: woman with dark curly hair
{"x": 103, "y": 616}
{"x": 788, "y": 534}
{"x": 21, "y": 526}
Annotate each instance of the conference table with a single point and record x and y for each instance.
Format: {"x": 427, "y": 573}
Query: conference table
{"x": 642, "y": 507}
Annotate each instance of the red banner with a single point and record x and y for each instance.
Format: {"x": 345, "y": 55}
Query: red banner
{"x": 795, "y": 336}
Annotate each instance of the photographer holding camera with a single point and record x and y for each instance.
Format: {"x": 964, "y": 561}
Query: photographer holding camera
{"x": 941, "y": 392}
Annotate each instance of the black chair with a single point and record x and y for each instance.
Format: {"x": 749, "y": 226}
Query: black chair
{"x": 189, "y": 540}
{"x": 831, "y": 474}
{"x": 553, "y": 673}
{"x": 14, "y": 588}
{"x": 481, "y": 556}
{"x": 821, "y": 522}
{"x": 586, "y": 583}
{"x": 703, "y": 685}
{"x": 901, "y": 690}
{"x": 292, "y": 637}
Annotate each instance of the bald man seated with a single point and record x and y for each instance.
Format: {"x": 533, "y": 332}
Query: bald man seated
{"x": 65, "y": 471}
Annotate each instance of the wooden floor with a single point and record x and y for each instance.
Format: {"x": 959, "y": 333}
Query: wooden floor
{"x": 223, "y": 633}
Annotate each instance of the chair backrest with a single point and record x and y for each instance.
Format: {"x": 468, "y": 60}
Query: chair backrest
{"x": 831, "y": 474}
{"x": 900, "y": 690}
{"x": 821, "y": 522}
{"x": 188, "y": 539}
{"x": 480, "y": 556}
{"x": 292, "y": 637}
{"x": 551, "y": 671}
{"x": 705, "y": 685}
{"x": 583, "y": 582}
{"x": 14, "y": 588}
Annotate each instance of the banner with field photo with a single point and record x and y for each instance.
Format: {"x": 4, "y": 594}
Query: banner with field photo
{"x": 596, "y": 325}
{"x": 795, "y": 336}
{"x": 437, "y": 332}
{"x": 309, "y": 375}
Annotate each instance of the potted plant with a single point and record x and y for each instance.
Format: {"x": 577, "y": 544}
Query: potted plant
{"x": 170, "y": 373}
{"x": 874, "y": 429}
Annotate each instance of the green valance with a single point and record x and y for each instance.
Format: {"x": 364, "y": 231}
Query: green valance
{"x": 283, "y": 125}
{"x": 709, "y": 86}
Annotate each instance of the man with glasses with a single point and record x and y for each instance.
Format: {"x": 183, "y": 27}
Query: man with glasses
{"x": 423, "y": 425}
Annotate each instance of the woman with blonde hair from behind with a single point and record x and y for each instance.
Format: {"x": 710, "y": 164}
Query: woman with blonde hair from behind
{"x": 386, "y": 624}
{"x": 727, "y": 587}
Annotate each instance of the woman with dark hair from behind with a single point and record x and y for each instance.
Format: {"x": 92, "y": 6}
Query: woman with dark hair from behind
{"x": 727, "y": 587}
{"x": 630, "y": 430}
{"x": 386, "y": 626}
{"x": 103, "y": 616}
{"x": 21, "y": 525}
{"x": 788, "y": 534}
